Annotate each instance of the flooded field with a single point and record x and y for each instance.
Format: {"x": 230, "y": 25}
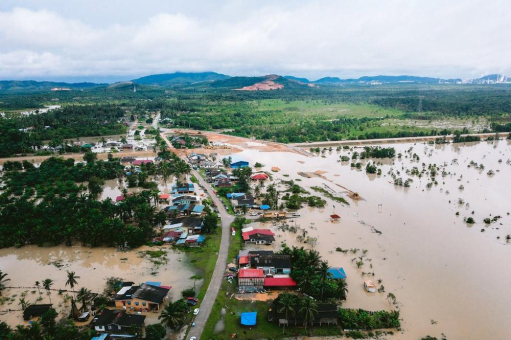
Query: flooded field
{"x": 449, "y": 277}
{"x": 29, "y": 264}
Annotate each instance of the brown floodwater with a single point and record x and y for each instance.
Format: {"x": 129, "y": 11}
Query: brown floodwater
{"x": 29, "y": 264}
{"x": 448, "y": 276}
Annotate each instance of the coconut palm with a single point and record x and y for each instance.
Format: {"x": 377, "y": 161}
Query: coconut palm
{"x": 309, "y": 309}
{"x": 71, "y": 279}
{"x": 47, "y": 283}
{"x": 323, "y": 275}
{"x": 3, "y": 280}
{"x": 342, "y": 288}
{"x": 286, "y": 303}
{"x": 174, "y": 314}
{"x": 84, "y": 295}
{"x": 306, "y": 280}
{"x": 38, "y": 285}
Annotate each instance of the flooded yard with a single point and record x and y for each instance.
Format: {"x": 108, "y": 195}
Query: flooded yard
{"x": 448, "y": 276}
{"x": 29, "y": 264}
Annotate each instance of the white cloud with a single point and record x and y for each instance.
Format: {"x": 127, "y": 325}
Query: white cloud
{"x": 464, "y": 38}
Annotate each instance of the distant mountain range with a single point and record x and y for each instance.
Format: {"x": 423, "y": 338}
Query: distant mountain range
{"x": 32, "y": 85}
{"x": 217, "y": 80}
{"x": 180, "y": 78}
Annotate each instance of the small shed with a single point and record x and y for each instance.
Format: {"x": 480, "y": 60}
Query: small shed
{"x": 259, "y": 177}
{"x": 335, "y": 218}
{"x": 249, "y": 318}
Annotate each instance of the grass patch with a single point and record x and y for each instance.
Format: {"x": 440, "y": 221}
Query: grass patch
{"x": 329, "y": 195}
{"x": 204, "y": 258}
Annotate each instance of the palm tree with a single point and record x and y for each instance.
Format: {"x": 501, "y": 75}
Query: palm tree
{"x": 84, "y": 296}
{"x": 342, "y": 288}
{"x": 286, "y": 303}
{"x": 3, "y": 280}
{"x": 174, "y": 314}
{"x": 306, "y": 280}
{"x": 324, "y": 275}
{"x": 47, "y": 283}
{"x": 38, "y": 285}
{"x": 71, "y": 279}
{"x": 309, "y": 308}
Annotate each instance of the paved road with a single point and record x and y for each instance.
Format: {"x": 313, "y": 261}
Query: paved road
{"x": 221, "y": 262}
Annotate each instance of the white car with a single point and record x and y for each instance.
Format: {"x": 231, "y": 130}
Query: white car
{"x": 196, "y": 311}
{"x": 193, "y": 338}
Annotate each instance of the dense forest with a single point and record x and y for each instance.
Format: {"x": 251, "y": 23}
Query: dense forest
{"x": 21, "y": 134}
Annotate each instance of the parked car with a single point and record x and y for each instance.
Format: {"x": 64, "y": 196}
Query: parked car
{"x": 233, "y": 269}
{"x": 196, "y": 311}
{"x": 192, "y": 301}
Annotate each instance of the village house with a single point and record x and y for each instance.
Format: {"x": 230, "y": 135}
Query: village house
{"x": 192, "y": 240}
{"x": 117, "y": 321}
{"x": 245, "y": 200}
{"x": 141, "y": 298}
{"x": 337, "y": 273}
{"x": 185, "y": 188}
{"x": 183, "y": 199}
{"x": 142, "y": 161}
{"x": 259, "y": 236}
{"x": 191, "y": 223}
{"x": 250, "y": 278}
{"x": 33, "y": 311}
{"x": 279, "y": 282}
{"x": 223, "y": 183}
{"x": 272, "y": 264}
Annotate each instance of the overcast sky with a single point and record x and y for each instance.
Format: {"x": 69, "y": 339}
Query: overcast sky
{"x": 98, "y": 39}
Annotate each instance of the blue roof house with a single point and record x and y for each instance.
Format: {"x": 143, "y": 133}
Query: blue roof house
{"x": 337, "y": 273}
{"x": 237, "y": 162}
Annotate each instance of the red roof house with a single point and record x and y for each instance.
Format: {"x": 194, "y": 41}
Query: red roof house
{"x": 279, "y": 282}
{"x": 250, "y": 273}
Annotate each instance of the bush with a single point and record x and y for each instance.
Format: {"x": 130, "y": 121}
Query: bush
{"x": 470, "y": 220}
{"x": 190, "y": 292}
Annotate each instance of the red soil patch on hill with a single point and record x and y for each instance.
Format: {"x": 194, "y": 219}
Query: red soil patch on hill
{"x": 263, "y": 86}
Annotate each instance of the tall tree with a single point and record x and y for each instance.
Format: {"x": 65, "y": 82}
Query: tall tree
{"x": 174, "y": 314}
{"x": 323, "y": 275}
{"x": 47, "y": 283}
{"x": 286, "y": 303}
{"x": 72, "y": 279}
{"x": 309, "y": 309}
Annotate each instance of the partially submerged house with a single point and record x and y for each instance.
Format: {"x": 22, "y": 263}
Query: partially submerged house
{"x": 117, "y": 321}
{"x": 141, "y": 298}
{"x": 33, "y": 311}
{"x": 337, "y": 273}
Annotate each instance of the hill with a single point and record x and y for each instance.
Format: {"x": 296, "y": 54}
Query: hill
{"x": 268, "y": 82}
{"x": 32, "y": 85}
{"x": 328, "y": 80}
{"x": 180, "y": 78}
{"x": 301, "y": 80}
